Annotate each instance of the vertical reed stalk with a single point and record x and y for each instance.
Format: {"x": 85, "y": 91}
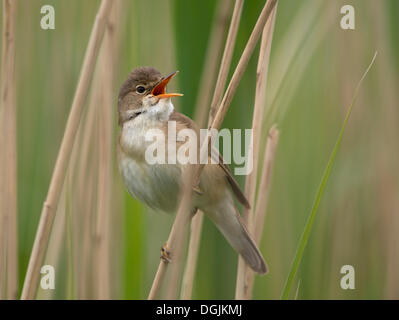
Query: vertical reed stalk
{"x": 55, "y": 248}
{"x": 211, "y": 60}
{"x": 193, "y": 174}
{"x": 265, "y": 181}
{"x": 82, "y": 187}
{"x": 251, "y": 180}
{"x": 207, "y": 81}
{"x": 178, "y": 238}
{"x": 61, "y": 166}
{"x": 105, "y": 120}
{"x": 8, "y": 158}
{"x": 262, "y": 200}
{"x": 192, "y": 256}
{"x": 242, "y": 64}
{"x": 226, "y": 60}
{"x": 309, "y": 223}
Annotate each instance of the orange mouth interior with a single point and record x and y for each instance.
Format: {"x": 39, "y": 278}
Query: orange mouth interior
{"x": 160, "y": 89}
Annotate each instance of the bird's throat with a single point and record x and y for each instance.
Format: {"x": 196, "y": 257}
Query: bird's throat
{"x": 160, "y": 111}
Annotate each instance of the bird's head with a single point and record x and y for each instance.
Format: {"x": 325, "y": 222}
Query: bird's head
{"x": 144, "y": 88}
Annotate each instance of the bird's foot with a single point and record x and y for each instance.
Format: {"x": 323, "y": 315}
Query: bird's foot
{"x": 194, "y": 211}
{"x": 197, "y": 190}
{"x": 165, "y": 254}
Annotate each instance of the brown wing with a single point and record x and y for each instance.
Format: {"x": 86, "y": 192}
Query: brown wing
{"x": 234, "y": 184}
{"x": 187, "y": 122}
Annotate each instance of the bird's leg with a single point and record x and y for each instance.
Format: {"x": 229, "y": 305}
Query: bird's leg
{"x": 197, "y": 190}
{"x": 165, "y": 254}
{"x": 193, "y": 212}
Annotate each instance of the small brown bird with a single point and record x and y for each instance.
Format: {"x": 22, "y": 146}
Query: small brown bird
{"x": 144, "y": 105}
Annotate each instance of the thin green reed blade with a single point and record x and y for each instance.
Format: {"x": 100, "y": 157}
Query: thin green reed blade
{"x": 308, "y": 227}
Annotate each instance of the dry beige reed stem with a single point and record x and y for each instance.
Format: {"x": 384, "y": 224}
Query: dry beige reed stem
{"x": 251, "y": 179}
{"x": 81, "y": 185}
{"x": 8, "y": 160}
{"x": 211, "y": 61}
{"x": 202, "y": 107}
{"x": 265, "y": 181}
{"x": 262, "y": 200}
{"x": 192, "y": 256}
{"x": 175, "y": 253}
{"x": 157, "y": 282}
{"x": 61, "y": 166}
{"x": 56, "y": 244}
{"x": 80, "y": 231}
{"x": 242, "y": 64}
{"x": 102, "y": 254}
{"x": 226, "y": 60}
{"x": 174, "y": 244}
{"x": 178, "y": 238}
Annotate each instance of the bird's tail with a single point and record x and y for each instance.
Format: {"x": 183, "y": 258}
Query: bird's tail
{"x": 228, "y": 221}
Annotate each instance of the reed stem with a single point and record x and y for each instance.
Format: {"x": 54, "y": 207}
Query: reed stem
{"x": 251, "y": 180}
{"x": 259, "y": 215}
{"x": 8, "y": 158}
{"x": 61, "y": 166}
{"x": 105, "y": 120}
{"x": 309, "y": 223}
{"x": 201, "y": 109}
{"x": 192, "y": 175}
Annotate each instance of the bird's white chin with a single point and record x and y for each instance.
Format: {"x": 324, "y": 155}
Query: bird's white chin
{"x": 154, "y": 116}
{"x": 157, "y": 109}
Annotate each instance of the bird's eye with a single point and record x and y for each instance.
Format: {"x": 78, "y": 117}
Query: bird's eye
{"x": 140, "y": 89}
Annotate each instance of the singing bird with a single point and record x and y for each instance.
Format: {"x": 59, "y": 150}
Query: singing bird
{"x": 144, "y": 105}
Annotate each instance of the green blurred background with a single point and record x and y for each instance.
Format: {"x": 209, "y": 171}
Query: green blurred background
{"x": 315, "y": 66}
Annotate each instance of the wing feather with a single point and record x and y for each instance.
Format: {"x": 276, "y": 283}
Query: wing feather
{"x": 187, "y": 122}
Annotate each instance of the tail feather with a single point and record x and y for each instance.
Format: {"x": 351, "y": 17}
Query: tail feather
{"x": 230, "y": 225}
{"x": 251, "y": 254}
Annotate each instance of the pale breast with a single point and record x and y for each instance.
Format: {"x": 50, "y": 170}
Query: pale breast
{"x": 134, "y": 137}
{"x": 157, "y": 185}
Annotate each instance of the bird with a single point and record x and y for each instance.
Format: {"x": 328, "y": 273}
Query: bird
{"x": 143, "y": 107}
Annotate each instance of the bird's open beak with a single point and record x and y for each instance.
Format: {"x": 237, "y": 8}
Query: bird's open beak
{"x": 160, "y": 89}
